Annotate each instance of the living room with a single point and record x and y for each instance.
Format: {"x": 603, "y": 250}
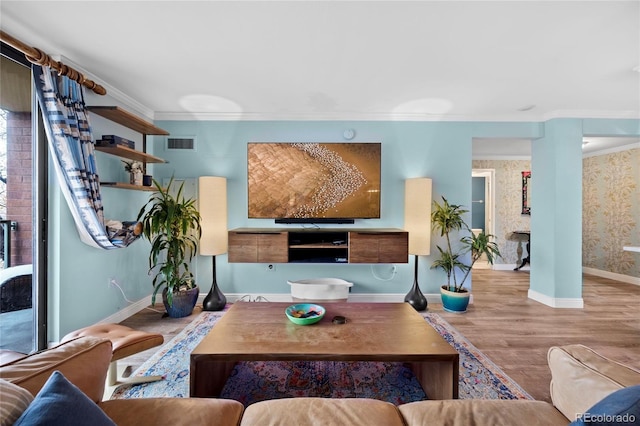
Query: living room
{"x": 415, "y": 143}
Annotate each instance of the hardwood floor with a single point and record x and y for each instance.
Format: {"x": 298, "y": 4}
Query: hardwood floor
{"x": 513, "y": 331}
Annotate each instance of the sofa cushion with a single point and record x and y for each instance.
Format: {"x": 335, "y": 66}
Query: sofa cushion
{"x": 620, "y": 407}
{"x": 13, "y": 401}
{"x": 322, "y": 411}
{"x": 576, "y": 369}
{"x": 83, "y": 361}
{"x": 475, "y": 412}
{"x": 61, "y": 403}
{"x": 173, "y": 411}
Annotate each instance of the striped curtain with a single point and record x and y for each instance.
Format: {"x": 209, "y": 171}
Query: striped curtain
{"x": 72, "y": 148}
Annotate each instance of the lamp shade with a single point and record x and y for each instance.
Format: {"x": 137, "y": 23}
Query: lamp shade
{"x": 417, "y": 215}
{"x": 212, "y": 204}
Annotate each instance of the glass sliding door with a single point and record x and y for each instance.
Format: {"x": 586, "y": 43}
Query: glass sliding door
{"x": 19, "y": 289}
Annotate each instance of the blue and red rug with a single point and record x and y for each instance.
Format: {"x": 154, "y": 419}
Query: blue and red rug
{"x": 256, "y": 381}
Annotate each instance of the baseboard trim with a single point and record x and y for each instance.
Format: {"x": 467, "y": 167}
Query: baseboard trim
{"x": 128, "y": 311}
{"x": 433, "y": 298}
{"x": 509, "y": 267}
{"x": 556, "y": 302}
{"x": 611, "y": 275}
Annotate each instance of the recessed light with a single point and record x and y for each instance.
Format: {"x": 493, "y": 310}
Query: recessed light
{"x": 527, "y": 107}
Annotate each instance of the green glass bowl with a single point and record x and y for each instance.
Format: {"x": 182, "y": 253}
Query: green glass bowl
{"x": 300, "y": 313}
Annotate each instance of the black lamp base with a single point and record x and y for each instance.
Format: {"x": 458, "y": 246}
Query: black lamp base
{"x": 215, "y": 300}
{"x": 415, "y": 297}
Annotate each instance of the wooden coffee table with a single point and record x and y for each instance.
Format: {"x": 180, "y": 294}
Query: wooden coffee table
{"x": 260, "y": 331}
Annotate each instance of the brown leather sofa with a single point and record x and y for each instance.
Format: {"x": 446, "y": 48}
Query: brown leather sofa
{"x": 84, "y": 362}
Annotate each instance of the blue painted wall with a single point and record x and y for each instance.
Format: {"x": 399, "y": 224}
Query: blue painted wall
{"x": 441, "y": 151}
{"x": 79, "y": 275}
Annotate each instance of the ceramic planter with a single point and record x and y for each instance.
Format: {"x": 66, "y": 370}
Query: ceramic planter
{"x": 183, "y": 302}
{"x": 452, "y": 301}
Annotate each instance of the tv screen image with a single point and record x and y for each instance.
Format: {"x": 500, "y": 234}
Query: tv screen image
{"x": 313, "y": 180}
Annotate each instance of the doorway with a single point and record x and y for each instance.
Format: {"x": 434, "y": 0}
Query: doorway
{"x": 482, "y": 206}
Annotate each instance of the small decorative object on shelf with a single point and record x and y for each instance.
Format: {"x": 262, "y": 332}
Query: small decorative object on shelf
{"x": 110, "y": 140}
{"x": 135, "y": 171}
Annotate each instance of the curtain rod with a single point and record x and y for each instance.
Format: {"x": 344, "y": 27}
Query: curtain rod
{"x": 38, "y": 57}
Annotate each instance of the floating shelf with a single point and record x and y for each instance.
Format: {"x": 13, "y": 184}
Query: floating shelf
{"x": 121, "y": 185}
{"x": 132, "y": 154}
{"x": 127, "y": 119}
{"x": 322, "y": 245}
{"x": 133, "y": 122}
{"x": 329, "y": 246}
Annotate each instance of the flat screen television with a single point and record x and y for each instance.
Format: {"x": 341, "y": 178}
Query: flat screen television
{"x": 313, "y": 182}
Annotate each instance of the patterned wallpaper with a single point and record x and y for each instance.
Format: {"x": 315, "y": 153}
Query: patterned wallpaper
{"x": 611, "y": 212}
{"x": 611, "y": 209}
{"x": 508, "y": 184}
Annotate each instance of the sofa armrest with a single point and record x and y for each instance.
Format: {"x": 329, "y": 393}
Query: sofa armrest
{"x": 580, "y": 377}
{"x": 83, "y": 361}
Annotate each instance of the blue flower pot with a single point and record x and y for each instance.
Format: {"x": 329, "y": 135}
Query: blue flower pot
{"x": 453, "y": 301}
{"x": 183, "y": 302}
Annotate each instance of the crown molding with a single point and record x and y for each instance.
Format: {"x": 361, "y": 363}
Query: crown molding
{"x": 590, "y": 114}
{"x": 635, "y": 145}
{"x": 112, "y": 92}
{"x": 383, "y": 116}
{"x": 501, "y": 157}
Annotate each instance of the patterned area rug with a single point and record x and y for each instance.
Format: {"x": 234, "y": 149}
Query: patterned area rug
{"x": 256, "y": 381}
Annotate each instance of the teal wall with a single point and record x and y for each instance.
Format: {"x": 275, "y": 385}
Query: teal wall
{"x": 441, "y": 151}
{"x": 557, "y": 220}
{"x": 79, "y": 275}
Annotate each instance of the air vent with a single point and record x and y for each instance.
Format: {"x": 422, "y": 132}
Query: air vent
{"x": 181, "y": 143}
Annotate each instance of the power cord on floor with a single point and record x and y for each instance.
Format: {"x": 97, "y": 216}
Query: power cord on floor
{"x": 115, "y": 283}
{"x": 247, "y": 298}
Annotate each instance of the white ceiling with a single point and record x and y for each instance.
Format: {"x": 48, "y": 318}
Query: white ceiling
{"x": 349, "y": 60}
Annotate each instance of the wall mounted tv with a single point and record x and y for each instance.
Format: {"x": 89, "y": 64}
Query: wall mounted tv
{"x": 313, "y": 182}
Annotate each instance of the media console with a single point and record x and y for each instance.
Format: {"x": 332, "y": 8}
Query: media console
{"x": 324, "y": 245}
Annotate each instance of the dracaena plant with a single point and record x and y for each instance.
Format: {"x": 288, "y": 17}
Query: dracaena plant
{"x": 447, "y": 219}
{"x": 172, "y": 224}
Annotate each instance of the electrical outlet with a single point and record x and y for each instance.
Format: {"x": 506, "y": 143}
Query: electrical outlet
{"x": 271, "y": 267}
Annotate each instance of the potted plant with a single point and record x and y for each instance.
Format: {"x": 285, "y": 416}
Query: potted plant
{"x": 447, "y": 219}
{"x": 172, "y": 225}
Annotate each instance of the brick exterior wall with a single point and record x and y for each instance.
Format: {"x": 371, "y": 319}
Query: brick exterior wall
{"x": 19, "y": 185}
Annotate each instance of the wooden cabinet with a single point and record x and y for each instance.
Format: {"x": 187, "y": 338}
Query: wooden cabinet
{"x": 318, "y": 246}
{"x": 378, "y": 247}
{"x": 258, "y": 246}
{"x": 133, "y": 122}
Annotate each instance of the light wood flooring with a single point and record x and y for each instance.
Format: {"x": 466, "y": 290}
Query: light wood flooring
{"x": 513, "y": 331}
